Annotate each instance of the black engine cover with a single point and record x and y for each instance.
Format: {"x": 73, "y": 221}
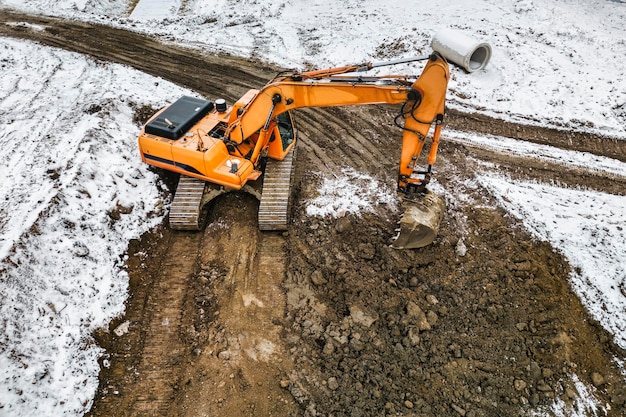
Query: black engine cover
{"x": 179, "y": 117}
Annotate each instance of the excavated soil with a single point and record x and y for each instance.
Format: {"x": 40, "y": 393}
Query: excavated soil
{"x": 326, "y": 319}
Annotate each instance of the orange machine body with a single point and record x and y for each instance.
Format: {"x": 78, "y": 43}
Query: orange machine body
{"x": 201, "y": 151}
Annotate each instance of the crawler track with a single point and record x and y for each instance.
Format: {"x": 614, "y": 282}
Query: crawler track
{"x": 276, "y": 196}
{"x": 186, "y": 208}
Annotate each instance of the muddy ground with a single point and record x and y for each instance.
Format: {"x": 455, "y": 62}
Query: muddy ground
{"x": 326, "y": 319}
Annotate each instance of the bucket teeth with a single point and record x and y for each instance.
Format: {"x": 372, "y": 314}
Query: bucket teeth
{"x": 420, "y": 221}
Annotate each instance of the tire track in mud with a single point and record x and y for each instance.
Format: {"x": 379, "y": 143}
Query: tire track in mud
{"x": 158, "y": 369}
{"x": 150, "y": 354}
{"x": 529, "y": 168}
{"x": 205, "y": 323}
{"x": 239, "y": 369}
{"x": 330, "y": 141}
{"x": 565, "y": 139}
{"x": 209, "y": 75}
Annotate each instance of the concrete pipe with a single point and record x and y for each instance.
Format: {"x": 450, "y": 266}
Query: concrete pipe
{"x": 461, "y": 50}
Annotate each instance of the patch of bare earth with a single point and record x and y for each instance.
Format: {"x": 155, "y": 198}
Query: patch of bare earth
{"x": 327, "y": 319}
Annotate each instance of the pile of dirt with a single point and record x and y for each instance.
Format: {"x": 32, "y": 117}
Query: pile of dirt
{"x": 481, "y": 323}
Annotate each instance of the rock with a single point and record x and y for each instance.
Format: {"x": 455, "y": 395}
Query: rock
{"x": 366, "y": 251}
{"x": 570, "y": 393}
{"x": 224, "y": 355}
{"x": 408, "y": 404}
{"x": 432, "y": 317}
{"x": 414, "y": 338}
{"x": 597, "y": 379}
{"x": 520, "y": 384}
{"x": 332, "y": 383}
{"x": 543, "y": 387}
{"x": 547, "y": 372}
{"x": 284, "y": 383}
{"x": 534, "y": 370}
{"x": 358, "y": 316}
{"x": 317, "y": 278}
{"x": 431, "y": 299}
{"x": 415, "y": 313}
{"x": 122, "y": 329}
{"x": 423, "y": 324}
{"x": 534, "y": 399}
{"x": 343, "y": 224}
{"x": 328, "y": 349}
{"x": 461, "y": 249}
{"x": 458, "y": 409}
{"x": 413, "y": 310}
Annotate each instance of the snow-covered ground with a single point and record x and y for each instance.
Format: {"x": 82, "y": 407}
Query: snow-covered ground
{"x": 73, "y": 193}
{"x": 71, "y": 198}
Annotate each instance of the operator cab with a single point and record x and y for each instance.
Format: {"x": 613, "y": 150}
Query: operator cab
{"x": 285, "y": 129}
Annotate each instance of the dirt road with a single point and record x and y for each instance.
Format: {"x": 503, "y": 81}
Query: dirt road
{"x": 327, "y": 319}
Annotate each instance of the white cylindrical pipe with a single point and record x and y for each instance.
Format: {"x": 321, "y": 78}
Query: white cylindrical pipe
{"x": 461, "y": 50}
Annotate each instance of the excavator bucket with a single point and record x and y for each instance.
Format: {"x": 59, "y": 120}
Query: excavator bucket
{"x": 420, "y": 221}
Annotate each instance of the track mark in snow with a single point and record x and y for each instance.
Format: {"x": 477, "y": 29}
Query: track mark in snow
{"x": 40, "y": 163}
{"x": 557, "y": 156}
{"x": 159, "y": 368}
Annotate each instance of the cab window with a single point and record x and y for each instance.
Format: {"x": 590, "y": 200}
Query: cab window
{"x": 285, "y": 128}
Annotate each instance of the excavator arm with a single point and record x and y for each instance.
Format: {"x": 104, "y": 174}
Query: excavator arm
{"x": 422, "y": 106}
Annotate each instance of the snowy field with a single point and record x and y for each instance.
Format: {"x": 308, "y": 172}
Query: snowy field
{"x": 74, "y": 193}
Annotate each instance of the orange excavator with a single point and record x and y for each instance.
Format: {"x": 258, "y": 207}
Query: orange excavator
{"x": 249, "y": 146}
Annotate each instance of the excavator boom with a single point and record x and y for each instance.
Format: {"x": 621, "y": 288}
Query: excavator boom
{"x": 228, "y": 146}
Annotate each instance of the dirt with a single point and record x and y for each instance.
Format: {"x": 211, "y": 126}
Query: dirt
{"x": 327, "y": 319}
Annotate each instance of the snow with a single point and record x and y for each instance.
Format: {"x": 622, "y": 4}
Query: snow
{"x": 155, "y": 9}
{"x": 68, "y": 142}
{"x": 350, "y": 193}
{"x": 547, "y": 66}
{"x": 70, "y": 149}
